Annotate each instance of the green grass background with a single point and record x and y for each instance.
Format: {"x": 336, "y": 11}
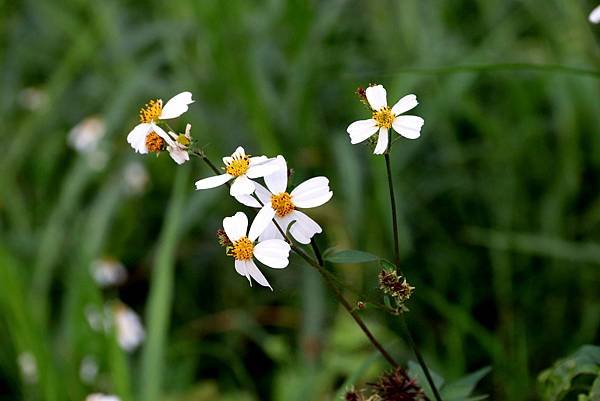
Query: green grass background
{"x": 498, "y": 200}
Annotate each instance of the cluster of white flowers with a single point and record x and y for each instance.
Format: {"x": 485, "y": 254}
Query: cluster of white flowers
{"x": 277, "y": 211}
{"x": 278, "y": 208}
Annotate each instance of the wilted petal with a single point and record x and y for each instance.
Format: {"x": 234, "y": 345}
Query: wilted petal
{"x": 256, "y": 274}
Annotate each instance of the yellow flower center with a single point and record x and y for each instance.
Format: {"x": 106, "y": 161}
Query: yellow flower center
{"x": 384, "y": 117}
{"x": 154, "y": 143}
{"x": 242, "y": 249}
{"x": 282, "y": 204}
{"x": 151, "y": 111}
{"x": 238, "y": 166}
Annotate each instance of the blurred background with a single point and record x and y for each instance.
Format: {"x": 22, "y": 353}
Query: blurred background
{"x": 498, "y": 200}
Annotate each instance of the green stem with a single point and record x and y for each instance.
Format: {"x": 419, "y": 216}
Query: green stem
{"x": 346, "y": 305}
{"x": 409, "y": 337}
{"x": 394, "y": 213}
{"x": 420, "y": 359}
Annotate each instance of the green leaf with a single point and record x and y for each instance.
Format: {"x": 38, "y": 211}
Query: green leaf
{"x": 350, "y": 256}
{"x": 461, "y": 389}
{"x": 557, "y": 381}
{"x": 415, "y": 371}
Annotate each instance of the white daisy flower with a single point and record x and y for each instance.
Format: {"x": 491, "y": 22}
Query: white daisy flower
{"x": 385, "y": 118}
{"x": 273, "y": 252}
{"x": 595, "y": 15}
{"x": 129, "y": 329}
{"x": 102, "y": 397}
{"x": 108, "y": 272}
{"x": 240, "y": 168}
{"x": 147, "y": 136}
{"x": 283, "y": 206}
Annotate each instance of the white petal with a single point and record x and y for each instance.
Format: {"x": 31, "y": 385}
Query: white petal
{"x": 178, "y": 154}
{"x": 256, "y": 274}
{"x": 263, "y": 169}
{"x": 263, "y": 193}
{"x": 273, "y": 253}
{"x": 361, "y": 130}
{"x": 240, "y": 268}
{"x": 595, "y": 15}
{"x": 239, "y": 153}
{"x": 137, "y": 137}
{"x": 408, "y": 102}
{"x": 214, "y": 181}
{"x": 262, "y": 219}
{"x": 382, "y": 141}
{"x": 235, "y": 226}
{"x": 161, "y": 132}
{"x": 311, "y": 193}
{"x": 258, "y": 160}
{"x": 271, "y": 232}
{"x": 304, "y": 227}
{"x": 241, "y": 186}
{"x": 227, "y": 160}
{"x": 377, "y": 97}
{"x": 248, "y": 200}
{"x": 176, "y": 106}
{"x": 408, "y": 126}
{"x": 277, "y": 182}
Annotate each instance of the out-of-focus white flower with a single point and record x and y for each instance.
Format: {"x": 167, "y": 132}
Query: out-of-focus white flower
{"x": 129, "y": 329}
{"x": 283, "y": 206}
{"x": 273, "y": 252}
{"x": 28, "y": 367}
{"x": 240, "y": 168}
{"x": 149, "y": 137}
{"x": 102, "y": 397}
{"x": 94, "y": 317}
{"x": 108, "y": 272}
{"x": 385, "y": 118}
{"x": 136, "y": 177}
{"x": 88, "y": 370}
{"x": 595, "y": 15}
{"x": 32, "y": 98}
{"x": 85, "y": 136}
